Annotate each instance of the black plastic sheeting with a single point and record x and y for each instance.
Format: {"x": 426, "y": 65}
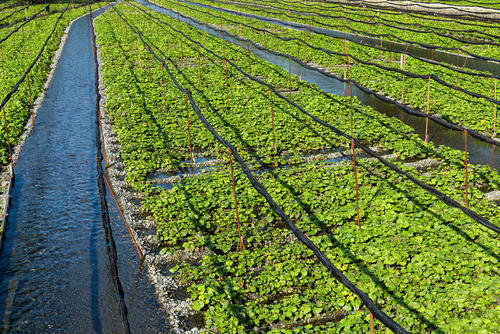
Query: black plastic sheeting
{"x": 379, "y": 314}
{"x": 110, "y": 246}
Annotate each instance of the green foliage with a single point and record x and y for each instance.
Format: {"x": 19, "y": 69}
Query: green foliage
{"x": 422, "y": 262}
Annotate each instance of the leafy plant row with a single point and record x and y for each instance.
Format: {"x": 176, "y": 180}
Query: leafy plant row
{"x": 16, "y": 55}
{"x": 378, "y": 30}
{"x": 454, "y": 106}
{"x": 274, "y": 284}
{"x": 375, "y": 21}
{"x": 387, "y": 15}
{"x": 382, "y": 12}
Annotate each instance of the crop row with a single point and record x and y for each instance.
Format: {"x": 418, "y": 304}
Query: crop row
{"x": 275, "y": 283}
{"x": 16, "y": 55}
{"x": 387, "y": 12}
{"x": 422, "y": 94}
{"x": 457, "y": 38}
{"x": 365, "y": 7}
{"x": 454, "y": 3}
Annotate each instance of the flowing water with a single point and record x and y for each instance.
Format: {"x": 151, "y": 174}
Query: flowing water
{"x": 54, "y": 269}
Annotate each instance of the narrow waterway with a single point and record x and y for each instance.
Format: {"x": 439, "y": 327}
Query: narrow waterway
{"x": 479, "y": 151}
{"x": 54, "y": 269}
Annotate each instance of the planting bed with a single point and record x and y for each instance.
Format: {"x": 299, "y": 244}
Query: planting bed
{"x": 425, "y": 263}
{"x": 467, "y": 98}
{"x": 20, "y": 44}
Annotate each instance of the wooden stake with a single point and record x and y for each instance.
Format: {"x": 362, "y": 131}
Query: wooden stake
{"x": 235, "y": 199}
{"x": 371, "y": 323}
{"x": 189, "y": 130}
{"x": 427, "y": 118}
{"x": 272, "y": 120}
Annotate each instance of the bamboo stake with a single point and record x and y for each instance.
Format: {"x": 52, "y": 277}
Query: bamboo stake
{"x": 235, "y": 199}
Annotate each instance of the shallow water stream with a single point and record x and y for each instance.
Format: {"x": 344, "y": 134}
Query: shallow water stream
{"x": 54, "y": 269}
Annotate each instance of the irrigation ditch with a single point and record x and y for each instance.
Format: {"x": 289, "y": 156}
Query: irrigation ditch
{"x": 56, "y": 275}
